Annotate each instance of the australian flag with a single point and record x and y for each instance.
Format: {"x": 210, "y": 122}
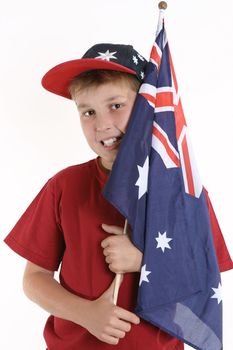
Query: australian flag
{"x": 154, "y": 183}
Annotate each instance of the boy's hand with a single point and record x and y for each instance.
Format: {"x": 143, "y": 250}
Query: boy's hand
{"x": 106, "y": 321}
{"x": 120, "y": 253}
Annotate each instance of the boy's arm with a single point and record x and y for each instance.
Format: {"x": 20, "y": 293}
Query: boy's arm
{"x": 100, "y": 317}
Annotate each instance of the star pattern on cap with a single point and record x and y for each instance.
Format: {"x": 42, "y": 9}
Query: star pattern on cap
{"x": 144, "y": 274}
{"x": 107, "y": 55}
{"x": 217, "y": 293}
{"x": 142, "y": 74}
{"x": 163, "y": 241}
{"x": 135, "y": 60}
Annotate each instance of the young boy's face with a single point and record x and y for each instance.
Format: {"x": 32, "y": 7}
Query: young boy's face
{"x": 104, "y": 113}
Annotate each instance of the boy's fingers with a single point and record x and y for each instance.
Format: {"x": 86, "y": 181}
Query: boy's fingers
{"x": 116, "y": 230}
{"x": 104, "y": 243}
{"x": 114, "y": 240}
{"x": 110, "y": 340}
{"x": 123, "y": 325}
{"x": 110, "y": 241}
{"x": 116, "y": 333}
{"x": 128, "y": 316}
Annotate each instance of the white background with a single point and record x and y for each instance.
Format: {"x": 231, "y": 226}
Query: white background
{"x": 40, "y": 132}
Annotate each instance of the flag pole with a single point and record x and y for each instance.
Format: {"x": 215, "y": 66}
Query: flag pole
{"x": 119, "y": 275}
{"x": 162, "y": 6}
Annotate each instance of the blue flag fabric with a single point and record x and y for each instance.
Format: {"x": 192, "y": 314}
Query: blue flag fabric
{"x": 155, "y": 185}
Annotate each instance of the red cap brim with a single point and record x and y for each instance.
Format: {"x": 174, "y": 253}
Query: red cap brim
{"x": 57, "y": 79}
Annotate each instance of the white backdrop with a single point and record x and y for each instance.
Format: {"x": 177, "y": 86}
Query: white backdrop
{"x": 40, "y": 132}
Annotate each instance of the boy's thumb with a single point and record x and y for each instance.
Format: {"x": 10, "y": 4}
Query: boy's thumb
{"x": 108, "y": 294}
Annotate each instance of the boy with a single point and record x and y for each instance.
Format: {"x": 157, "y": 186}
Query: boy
{"x": 69, "y": 221}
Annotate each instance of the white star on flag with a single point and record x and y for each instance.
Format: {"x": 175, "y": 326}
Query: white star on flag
{"x": 143, "y": 178}
{"x": 144, "y": 274}
{"x": 135, "y": 59}
{"x": 142, "y": 74}
{"x": 106, "y": 55}
{"x": 217, "y": 293}
{"x": 163, "y": 241}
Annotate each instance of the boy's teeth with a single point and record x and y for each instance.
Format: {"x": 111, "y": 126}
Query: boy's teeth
{"x": 110, "y": 142}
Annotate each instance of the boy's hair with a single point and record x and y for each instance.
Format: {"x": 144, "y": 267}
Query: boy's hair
{"x": 98, "y": 77}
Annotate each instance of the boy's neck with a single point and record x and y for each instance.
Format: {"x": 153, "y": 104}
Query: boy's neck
{"x": 107, "y": 171}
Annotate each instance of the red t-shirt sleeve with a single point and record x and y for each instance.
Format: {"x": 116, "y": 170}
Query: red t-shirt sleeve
{"x": 224, "y": 260}
{"x": 37, "y": 235}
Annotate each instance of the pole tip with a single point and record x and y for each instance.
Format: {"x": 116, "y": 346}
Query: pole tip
{"x": 162, "y": 5}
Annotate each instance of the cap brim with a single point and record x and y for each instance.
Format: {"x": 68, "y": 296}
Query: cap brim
{"x": 57, "y": 79}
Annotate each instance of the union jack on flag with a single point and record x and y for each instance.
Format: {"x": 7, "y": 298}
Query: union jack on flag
{"x": 154, "y": 183}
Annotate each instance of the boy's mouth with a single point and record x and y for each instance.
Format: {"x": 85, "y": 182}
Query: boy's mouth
{"x": 111, "y": 141}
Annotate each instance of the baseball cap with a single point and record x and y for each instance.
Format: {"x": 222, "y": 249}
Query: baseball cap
{"x": 118, "y": 57}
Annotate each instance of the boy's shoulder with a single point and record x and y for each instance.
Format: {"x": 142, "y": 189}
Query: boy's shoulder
{"x": 79, "y": 176}
{"x": 76, "y": 171}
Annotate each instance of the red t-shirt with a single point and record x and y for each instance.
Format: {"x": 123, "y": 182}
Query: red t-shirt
{"x": 63, "y": 226}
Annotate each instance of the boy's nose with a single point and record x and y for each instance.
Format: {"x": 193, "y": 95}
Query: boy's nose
{"x": 103, "y": 123}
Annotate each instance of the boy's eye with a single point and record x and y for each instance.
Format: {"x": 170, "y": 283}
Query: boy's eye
{"x": 88, "y": 113}
{"x": 116, "y": 105}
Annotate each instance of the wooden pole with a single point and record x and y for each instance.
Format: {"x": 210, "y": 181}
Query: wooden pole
{"x": 119, "y": 275}
{"x": 162, "y": 6}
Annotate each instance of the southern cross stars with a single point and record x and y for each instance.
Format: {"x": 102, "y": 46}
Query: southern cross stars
{"x": 163, "y": 241}
{"x": 144, "y": 274}
{"x": 143, "y": 178}
{"x": 106, "y": 55}
{"x": 217, "y": 293}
